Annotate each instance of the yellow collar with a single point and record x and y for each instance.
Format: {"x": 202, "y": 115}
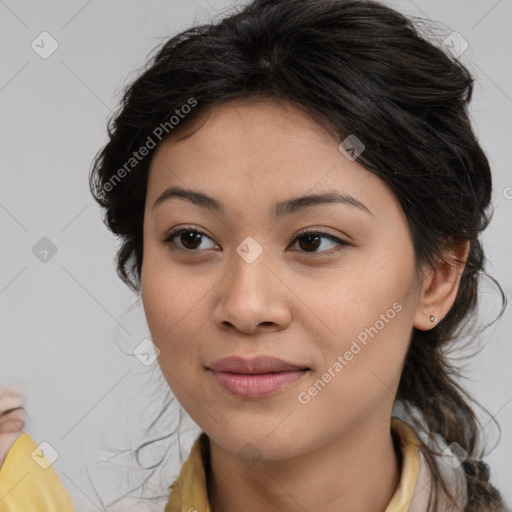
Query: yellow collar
{"x": 189, "y": 490}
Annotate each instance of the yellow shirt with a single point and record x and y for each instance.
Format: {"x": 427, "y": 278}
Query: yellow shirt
{"x": 29, "y": 483}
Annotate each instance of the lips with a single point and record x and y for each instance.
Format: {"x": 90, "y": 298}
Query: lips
{"x": 254, "y": 378}
{"x": 256, "y": 365}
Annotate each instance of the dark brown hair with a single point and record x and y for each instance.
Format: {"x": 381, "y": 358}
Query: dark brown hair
{"x": 357, "y": 67}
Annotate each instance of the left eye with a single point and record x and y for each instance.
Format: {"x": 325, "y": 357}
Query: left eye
{"x": 313, "y": 238}
{"x": 192, "y": 241}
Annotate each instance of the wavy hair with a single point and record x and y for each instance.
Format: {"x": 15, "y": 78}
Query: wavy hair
{"x": 357, "y": 67}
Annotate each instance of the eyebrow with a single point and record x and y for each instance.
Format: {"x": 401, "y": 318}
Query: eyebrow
{"x": 279, "y": 209}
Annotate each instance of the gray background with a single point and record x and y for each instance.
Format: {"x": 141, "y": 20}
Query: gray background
{"x": 68, "y": 325}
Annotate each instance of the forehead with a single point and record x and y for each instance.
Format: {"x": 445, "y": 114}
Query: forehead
{"x": 256, "y": 151}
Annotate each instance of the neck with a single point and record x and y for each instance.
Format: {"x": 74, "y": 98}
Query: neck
{"x": 357, "y": 470}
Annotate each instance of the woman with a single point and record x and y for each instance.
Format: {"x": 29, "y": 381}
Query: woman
{"x": 299, "y": 195}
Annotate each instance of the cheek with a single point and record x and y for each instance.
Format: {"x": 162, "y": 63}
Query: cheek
{"x": 172, "y": 306}
{"x": 360, "y": 367}
{"x": 176, "y": 326}
{"x": 343, "y": 304}
{"x": 365, "y": 317}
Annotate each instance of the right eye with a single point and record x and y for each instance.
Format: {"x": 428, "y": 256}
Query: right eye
{"x": 188, "y": 243}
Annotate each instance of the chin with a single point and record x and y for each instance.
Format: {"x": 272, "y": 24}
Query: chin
{"x": 257, "y": 444}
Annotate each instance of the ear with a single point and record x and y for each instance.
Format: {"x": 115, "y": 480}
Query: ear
{"x": 440, "y": 286}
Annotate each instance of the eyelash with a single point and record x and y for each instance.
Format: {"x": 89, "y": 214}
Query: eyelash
{"x": 169, "y": 240}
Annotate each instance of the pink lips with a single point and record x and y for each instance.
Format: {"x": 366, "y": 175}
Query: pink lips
{"x": 257, "y": 377}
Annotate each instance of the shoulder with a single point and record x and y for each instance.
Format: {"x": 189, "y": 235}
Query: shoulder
{"x": 29, "y": 482}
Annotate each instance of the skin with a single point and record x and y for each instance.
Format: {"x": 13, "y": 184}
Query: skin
{"x": 294, "y": 302}
{"x": 12, "y": 419}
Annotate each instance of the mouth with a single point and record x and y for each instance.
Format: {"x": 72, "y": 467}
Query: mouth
{"x": 261, "y": 372}
{"x": 254, "y": 366}
{"x": 257, "y": 385}
{"x": 256, "y": 377}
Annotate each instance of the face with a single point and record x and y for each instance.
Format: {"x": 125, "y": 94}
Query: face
{"x": 241, "y": 281}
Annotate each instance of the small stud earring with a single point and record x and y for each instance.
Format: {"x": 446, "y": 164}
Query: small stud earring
{"x": 433, "y": 318}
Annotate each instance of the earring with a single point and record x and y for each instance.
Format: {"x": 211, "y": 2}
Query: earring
{"x": 433, "y": 318}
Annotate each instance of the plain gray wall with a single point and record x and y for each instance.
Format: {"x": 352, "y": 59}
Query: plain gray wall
{"x": 68, "y": 325}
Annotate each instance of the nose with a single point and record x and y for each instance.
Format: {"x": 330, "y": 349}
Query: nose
{"x": 252, "y": 298}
